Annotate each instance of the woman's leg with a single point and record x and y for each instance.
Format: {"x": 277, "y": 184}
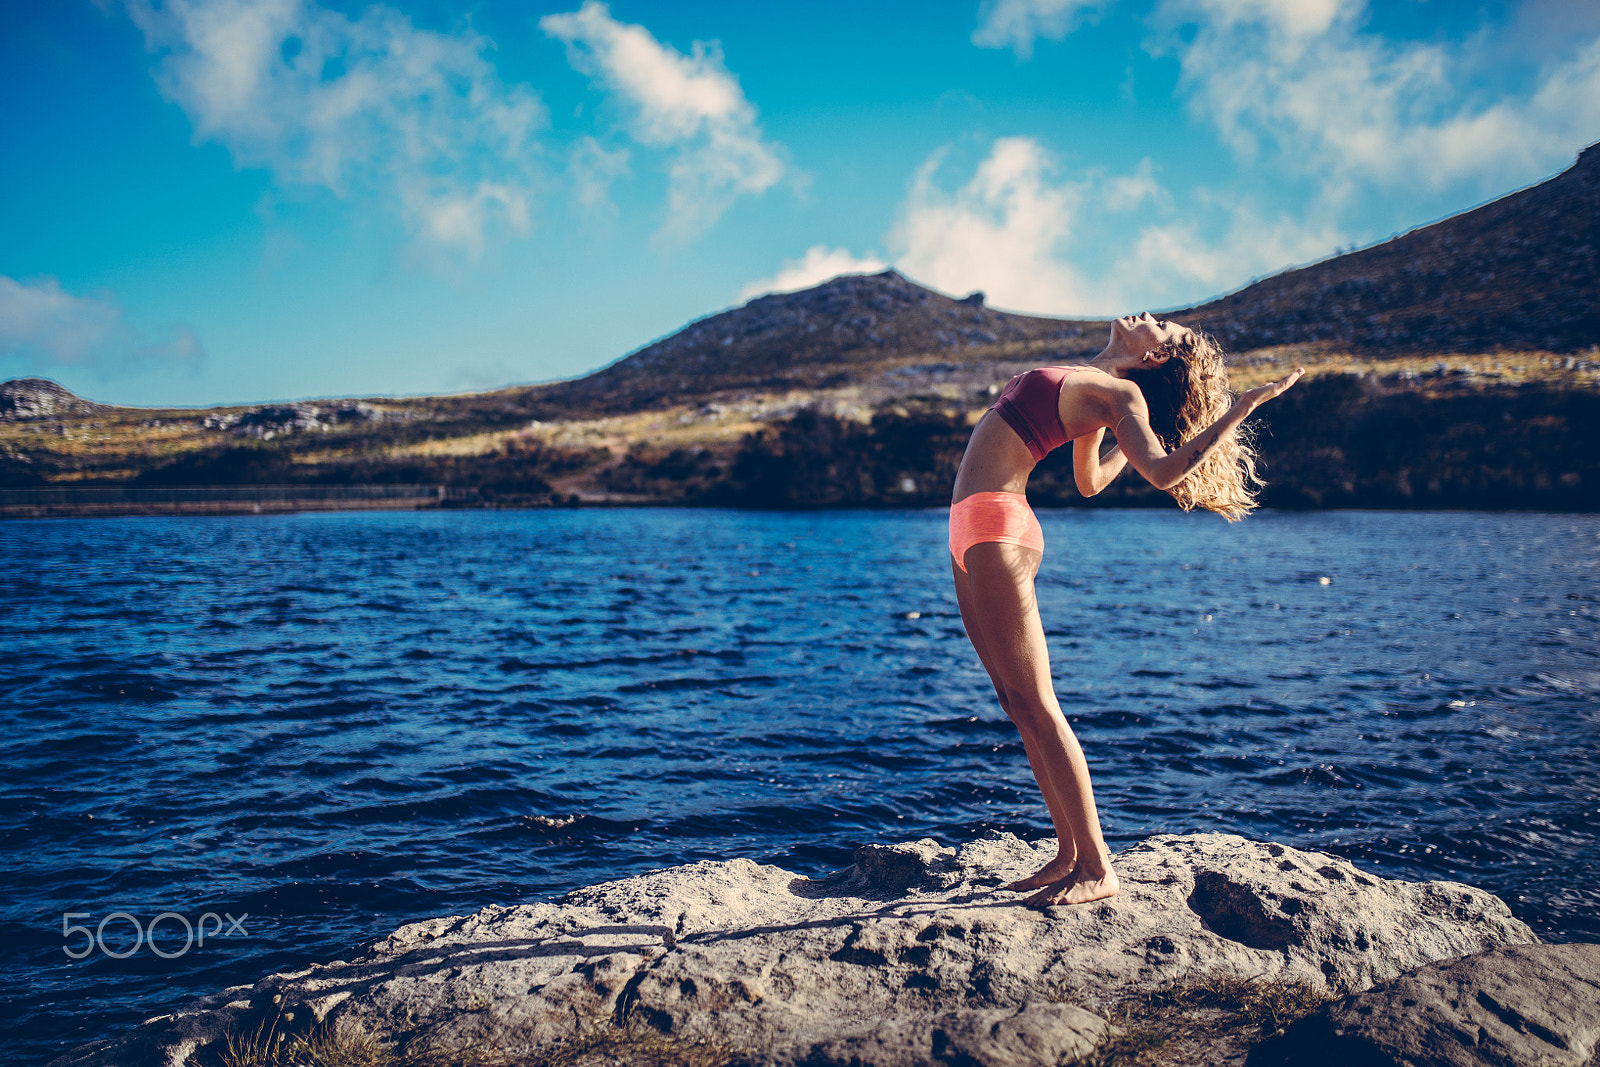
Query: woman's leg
{"x": 1066, "y": 856}
{"x": 997, "y": 603}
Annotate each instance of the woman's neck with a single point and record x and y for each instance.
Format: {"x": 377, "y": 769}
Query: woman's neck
{"x": 1115, "y": 360}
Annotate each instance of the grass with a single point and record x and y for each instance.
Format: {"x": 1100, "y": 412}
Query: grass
{"x": 490, "y": 442}
{"x": 602, "y": 1043}
{"x": 1269, "y": 1004}
{"x": 327, "y": 1047}
{"x": 1580, "y": 370}
{"x": 1173, "y": 1025}
{"x": 636, "y": 1045}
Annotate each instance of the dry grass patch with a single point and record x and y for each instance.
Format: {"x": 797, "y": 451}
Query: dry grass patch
{"x": 476, "y": 444}
{"x": 327, "y": 1046}
{"x": 1580, "y": 370}
{"x": 1205, "y": 1019}
{"x": 634, "y": 1044}
{"x": 599, "y": 1044}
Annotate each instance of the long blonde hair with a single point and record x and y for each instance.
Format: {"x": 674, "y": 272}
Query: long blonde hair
{"x": 1186, "y": 394}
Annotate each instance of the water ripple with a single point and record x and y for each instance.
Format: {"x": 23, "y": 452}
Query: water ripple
{"x": 339, "y": 723}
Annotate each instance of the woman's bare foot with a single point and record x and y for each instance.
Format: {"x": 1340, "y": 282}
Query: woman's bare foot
{"x": 1079, "y": 887}
{"x": 1051, "y": 873}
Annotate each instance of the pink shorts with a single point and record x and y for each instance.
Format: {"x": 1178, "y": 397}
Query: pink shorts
{"x": 1005, "y": 518}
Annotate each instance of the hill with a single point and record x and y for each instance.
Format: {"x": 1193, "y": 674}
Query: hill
{"x": 833, "y": 334}
{"x": 1522, "y": 272}
{"x": 860, "y": 392}
{"x": 39, "y": 398}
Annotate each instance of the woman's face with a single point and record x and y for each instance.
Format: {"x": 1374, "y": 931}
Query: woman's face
{"x": 1144, "y": 333}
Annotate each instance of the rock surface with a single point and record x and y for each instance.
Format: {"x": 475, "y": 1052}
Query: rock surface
{"x": 276, "y": 420}
{"x": 1521, "y": 1006}
{"x": 40, "y": 398}
{"x": 912, "y": 956}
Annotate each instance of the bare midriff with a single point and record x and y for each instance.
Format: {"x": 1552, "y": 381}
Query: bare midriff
{"x": 996, "y": 461}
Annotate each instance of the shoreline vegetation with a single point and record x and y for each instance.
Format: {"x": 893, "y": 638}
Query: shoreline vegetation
{"x": 1517, "y": 431}
{"x": 1455, "y": 366}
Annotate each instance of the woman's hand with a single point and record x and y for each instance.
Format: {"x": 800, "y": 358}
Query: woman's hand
{"x": 1254, "y": 398}
{"x": 1145, "y": 452}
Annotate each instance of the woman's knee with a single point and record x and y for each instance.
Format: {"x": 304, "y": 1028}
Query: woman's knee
{"x": 1031, "y": 714}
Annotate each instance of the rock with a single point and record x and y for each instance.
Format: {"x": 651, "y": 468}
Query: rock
{"x": 1037, "y": 1033}
{"x": 1519, "y": 1006}
{"x": 40, "y": 398}
{"x": 912, "y": 956}
{"x": 278, "y": 420}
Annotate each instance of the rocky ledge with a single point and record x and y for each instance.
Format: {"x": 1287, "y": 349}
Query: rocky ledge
{"x": 1524, "y": 1004}
{"x": 912, "y": 956}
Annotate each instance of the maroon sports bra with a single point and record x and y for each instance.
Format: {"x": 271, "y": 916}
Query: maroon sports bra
{"x": 1031, "y": 405}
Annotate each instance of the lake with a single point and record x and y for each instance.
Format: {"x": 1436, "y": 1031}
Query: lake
{"x": 294, "y": 733}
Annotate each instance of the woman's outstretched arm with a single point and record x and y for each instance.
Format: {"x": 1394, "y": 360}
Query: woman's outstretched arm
{"x": 1092, "y": 471}
{"x": 1164, "y": 469}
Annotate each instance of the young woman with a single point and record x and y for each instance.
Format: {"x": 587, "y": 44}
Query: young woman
{"x": 1162, "y": 390}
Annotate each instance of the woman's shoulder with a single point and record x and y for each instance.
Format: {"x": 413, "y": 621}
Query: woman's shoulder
{"x": 1095, "y": 378}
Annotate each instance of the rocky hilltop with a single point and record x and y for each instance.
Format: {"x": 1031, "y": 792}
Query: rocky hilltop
{"x": 1522, "y": 272}
{"x": 40, "y": 398}
{"x": 912, "y": 957}
{"x": 826, "y": 335}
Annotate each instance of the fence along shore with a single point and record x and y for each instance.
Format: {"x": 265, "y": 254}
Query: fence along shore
{"x": 64, "y": 502}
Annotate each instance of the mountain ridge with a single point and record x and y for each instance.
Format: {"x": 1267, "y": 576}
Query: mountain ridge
{"x": 1519, "y": 272}
{"x": 1456, "y": 365}
{"x": 816, "y": 337}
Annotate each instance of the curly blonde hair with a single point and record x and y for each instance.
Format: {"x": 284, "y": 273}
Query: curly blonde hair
{"x": 1186, "y": 394}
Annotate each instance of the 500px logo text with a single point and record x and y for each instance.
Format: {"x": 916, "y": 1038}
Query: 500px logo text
{"x": 194, "y": 933}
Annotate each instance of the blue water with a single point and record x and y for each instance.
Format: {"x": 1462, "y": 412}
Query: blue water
{"x": 336, "y": 723}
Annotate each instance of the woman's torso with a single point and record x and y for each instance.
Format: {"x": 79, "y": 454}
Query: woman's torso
{"x": 1024, "y": 425}
{"x": 1031, "y": 405}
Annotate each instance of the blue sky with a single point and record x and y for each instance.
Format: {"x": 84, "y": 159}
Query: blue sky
{"x": 211, "y": 201}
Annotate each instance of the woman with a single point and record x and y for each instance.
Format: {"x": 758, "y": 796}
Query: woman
{"x": 1162, "y": 390}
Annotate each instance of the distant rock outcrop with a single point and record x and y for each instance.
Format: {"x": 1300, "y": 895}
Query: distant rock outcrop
{"x": 1520, "y": 272}
{"x": 40, "y": 398}
{"x": 277, "y": 420}
{"x": 913, "y": 956}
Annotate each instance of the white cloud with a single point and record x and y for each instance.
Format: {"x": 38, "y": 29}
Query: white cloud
{"x": 819, "y": 264}
{"x": 689, "y": 104}
{"x": 1129, "y": 192}
{"x": 1306, "y": 79}
{"x": 44, "y": 326}
{"x": 1174, "y": 263}
{"x": 1016, "y": 24}
{"x": 354, "y": 105}
{"x": 593, "y": 168}
{"x": 1023, "y": 235}
{"x": 1004, "y": 231}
